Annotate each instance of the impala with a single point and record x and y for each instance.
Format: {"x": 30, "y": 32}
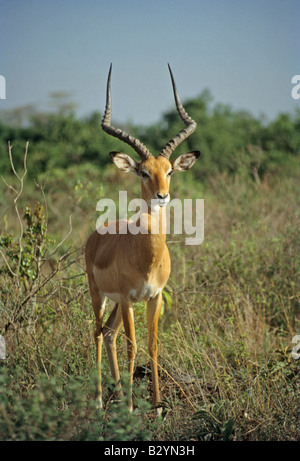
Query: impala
{"x": 127, "y": 267}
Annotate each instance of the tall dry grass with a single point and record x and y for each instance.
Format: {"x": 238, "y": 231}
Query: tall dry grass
{"x": 231, "y": 309}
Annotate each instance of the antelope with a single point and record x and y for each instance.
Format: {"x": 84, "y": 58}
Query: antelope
{"x": 126, "y": 267}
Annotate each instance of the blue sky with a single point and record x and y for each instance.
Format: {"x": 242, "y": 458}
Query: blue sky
{"x": 244, "y": 51}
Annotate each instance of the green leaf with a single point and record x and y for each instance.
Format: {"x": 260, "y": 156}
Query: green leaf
{"x": 168, "y": 298}
{"x": 227, "y": 429}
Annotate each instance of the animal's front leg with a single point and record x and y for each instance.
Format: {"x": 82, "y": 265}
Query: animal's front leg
{"x": 128, "y": 320}
{"x": 98, "y": 302}
{"x": 153, "y": 310}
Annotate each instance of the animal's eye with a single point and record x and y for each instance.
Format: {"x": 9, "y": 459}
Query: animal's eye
{"x": 169, "y": 173}
{"x": 144, "y": 174}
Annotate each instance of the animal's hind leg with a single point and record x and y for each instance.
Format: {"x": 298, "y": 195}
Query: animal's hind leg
{"x": 110, "y": 332}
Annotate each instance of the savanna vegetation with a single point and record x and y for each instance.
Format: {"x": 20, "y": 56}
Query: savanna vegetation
{"x": 231, "y": 306}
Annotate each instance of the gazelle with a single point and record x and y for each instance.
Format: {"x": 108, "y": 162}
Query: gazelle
{"x": 127, "y": 267}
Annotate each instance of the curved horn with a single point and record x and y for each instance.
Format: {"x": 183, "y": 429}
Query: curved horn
{"x": 122, "y": 135}
{"x": 183, "y": 134}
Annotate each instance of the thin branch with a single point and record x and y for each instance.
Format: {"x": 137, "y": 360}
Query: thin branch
{"x": 18, "y": 194}
{"x": 42, "y": 189}
{"x": 9, "y": 185}
{"x": 64, "y": 239}
{"x": 21, "y": 179}
{"x": 7, "y": 264}
{"x": 11, "y": 160}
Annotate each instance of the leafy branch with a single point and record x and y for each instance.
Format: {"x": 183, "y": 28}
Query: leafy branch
{"x": 30, "y": 263}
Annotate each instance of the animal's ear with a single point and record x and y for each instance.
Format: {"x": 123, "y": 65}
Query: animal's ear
{"x": 185, "y": 161}
{"x": 124, "y": 162}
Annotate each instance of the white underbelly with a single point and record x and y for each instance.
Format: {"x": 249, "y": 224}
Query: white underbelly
{"x": 147, "y": 292}
{"x": 144, "y": 293}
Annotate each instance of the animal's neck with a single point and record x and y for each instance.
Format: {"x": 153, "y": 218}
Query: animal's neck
{"x": 153, "y": 241}
{"x": 157, "y": 222}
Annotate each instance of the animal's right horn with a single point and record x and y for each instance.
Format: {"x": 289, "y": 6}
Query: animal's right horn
{"x": 139, "y": 147}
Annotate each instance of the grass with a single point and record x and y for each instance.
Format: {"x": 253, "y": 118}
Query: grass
{"x": 231, "y": 309}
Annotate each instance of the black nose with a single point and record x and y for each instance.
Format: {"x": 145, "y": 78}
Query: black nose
{"x": 162, "y": 197}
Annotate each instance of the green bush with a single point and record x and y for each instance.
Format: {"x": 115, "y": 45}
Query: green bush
{"x": 56, "y": 408}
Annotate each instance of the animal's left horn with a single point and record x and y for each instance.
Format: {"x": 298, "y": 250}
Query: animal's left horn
{"x": 188, "y": 121}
